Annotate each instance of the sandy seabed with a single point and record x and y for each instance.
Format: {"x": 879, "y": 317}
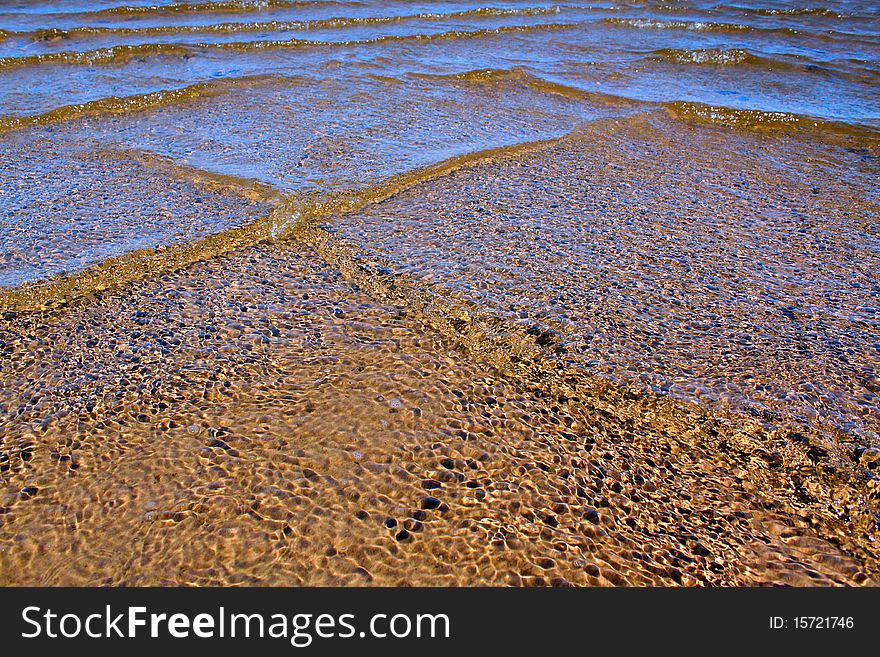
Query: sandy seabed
{"x": 355, "y": 405}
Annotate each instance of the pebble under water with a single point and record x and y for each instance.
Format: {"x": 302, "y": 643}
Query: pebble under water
{"x": 258, "y": 419}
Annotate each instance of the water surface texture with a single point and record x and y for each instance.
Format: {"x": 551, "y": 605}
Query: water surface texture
{"x": 350, "y": 292}
{"x": 316, "y": 96}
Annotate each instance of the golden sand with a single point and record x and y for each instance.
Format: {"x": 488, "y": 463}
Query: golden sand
{"x": 324, "y": 409}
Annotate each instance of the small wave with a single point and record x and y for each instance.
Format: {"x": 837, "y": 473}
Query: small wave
{"x": 112, "y": 54}
{"x": 221, "y": 6}
{"x": 791, "y": 11}
{"x": 131, "y": 104}
{"x": 515, "y": 74}
{"x": 852, "y": 68}
{"x": 122, "y": 53}
{"x": 737, "y": 28}
{"x": 725, "y": 57}
{"x": 700, "y": 26}
{"x": 291, "y": 214}
{"x": 334, "y": 23}
{"x": 520, "y": 76}
{"x": 754, "y": 119}
{"x": 713, "y": 56}
{"x": 721, "y": 115}
{"x": 165, "y": 97}
{"x": 684, "y": 110}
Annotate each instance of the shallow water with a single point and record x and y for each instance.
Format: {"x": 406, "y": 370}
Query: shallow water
{"x": 257, "y": 419}
{"x": 310, "y": 97}
{"x": 598, "y": 279}
{"x": 752, "y": 287}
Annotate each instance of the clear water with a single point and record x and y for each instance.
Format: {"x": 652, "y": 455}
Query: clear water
{"x": 600, "y": 279}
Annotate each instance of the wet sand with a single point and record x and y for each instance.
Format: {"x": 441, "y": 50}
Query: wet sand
{"x": 351, "y": 404}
